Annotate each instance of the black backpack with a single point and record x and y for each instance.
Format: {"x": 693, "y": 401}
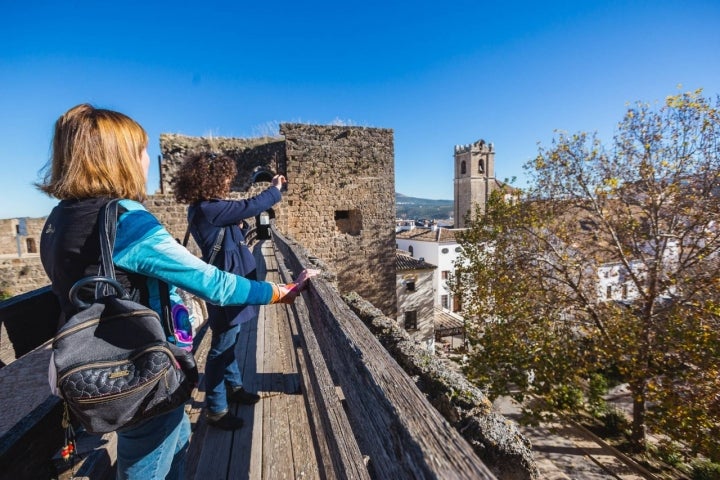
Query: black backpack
{"x": 114, "y": 365}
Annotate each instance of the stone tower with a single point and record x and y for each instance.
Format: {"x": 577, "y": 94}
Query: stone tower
{"x": 340, "y": 204}
{"x": 474, "y": 179}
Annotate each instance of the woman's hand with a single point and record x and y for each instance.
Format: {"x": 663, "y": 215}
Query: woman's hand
{"x": 278, "y": 181}
{"x": 304, "y": 276}
{"x": 288, "y": 292}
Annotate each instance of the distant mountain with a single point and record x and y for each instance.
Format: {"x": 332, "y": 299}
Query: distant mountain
{"x": 421, "y": 208}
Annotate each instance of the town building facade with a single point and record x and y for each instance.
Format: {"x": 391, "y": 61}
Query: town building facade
{"x": 415, "y": 294}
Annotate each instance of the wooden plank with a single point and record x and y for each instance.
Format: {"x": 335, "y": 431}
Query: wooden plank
{"x": 215, "y": 444}
{"x": 258, "y": 339}
{"x": 196, "y": 405}
{"x": 301, "y": 439}
{"x": 312, "y": 437}
{"x": 254, "y": 371}
{"x": 28, "y": 447}
{"x": 395, "y": 425}
{"x": 277, "y": 456}
{"x": 243, "y": 450}
{"x": 31, "y": 374}
{"x": 30, "y": 424}
{"x": 341, "y": 454}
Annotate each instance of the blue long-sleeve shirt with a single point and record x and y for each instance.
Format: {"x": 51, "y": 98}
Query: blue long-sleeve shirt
{"x": 142, "y": 245}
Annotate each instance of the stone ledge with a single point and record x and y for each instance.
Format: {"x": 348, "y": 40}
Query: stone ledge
{"x": 495, "y": 439}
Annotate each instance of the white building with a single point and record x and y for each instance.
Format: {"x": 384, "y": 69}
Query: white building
{"x": 436, "y": 246}
{"x": 414, "y": 289}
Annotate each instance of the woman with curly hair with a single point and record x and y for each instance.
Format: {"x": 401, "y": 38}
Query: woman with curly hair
{"x": 204, "y": 181}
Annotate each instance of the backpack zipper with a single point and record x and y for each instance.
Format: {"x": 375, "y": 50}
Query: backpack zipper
{"x": 95, "y": 321}
{"x": 119, "y": 362}
{"x": 116, "y": 396}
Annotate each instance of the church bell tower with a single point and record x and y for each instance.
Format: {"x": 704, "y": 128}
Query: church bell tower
{"x": 474, "y": 179}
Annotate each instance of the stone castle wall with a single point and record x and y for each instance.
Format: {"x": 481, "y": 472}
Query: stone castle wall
{"x": 28, "y": 244}
{"x": 254, "y": 155}
{"x": 341, "y": 204}
{"x": 21, "y": 274}
{"x": 20, "y": 268}
{"x": 340, "y": 198}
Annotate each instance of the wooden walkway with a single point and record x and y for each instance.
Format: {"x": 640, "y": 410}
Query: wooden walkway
{"x": 334, "y": 404}
{"x": 275, "y": 441}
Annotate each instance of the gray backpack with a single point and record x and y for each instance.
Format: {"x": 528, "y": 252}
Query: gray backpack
{"x": 114, "y": 365}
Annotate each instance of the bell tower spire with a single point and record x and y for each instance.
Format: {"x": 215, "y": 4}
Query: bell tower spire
{"x": 474, "y": 179}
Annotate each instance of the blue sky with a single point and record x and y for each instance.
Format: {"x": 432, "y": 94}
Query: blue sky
{"x": 437, "y": 73}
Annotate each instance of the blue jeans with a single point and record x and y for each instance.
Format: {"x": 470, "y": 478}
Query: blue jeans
{"x": 155, "y": 449}
{"x": 221, "y": 367}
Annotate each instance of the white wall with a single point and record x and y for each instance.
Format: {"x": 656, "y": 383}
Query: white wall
{"x": 432, "y": 252}
{"x": 421, "y": 301}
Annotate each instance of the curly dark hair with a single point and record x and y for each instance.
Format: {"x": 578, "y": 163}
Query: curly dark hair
{"x": 204, "y": 176}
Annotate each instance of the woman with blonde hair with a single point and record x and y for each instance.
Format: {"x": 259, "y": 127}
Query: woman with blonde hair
{"x": 98, "y": 155}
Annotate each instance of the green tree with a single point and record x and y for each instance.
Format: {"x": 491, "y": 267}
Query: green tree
{"x": 645, "y": 212}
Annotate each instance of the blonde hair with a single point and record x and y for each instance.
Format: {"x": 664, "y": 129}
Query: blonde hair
{"x": 96, "y": 153}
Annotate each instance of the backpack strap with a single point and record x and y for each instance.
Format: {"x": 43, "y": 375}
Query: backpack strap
{"x": 165, "y": 305}
{"x": 218, "y": 239}
{"x": 187, "y": 232}
{"x": 218, "y": 245}
{"x": 107, "y": 226}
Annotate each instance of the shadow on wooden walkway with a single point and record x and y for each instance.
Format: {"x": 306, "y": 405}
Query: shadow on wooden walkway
{"x": 275, "y": 440}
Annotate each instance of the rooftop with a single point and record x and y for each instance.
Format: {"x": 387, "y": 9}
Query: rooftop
{"x": 439, "y": 235}
{"x": 404, "y": 262}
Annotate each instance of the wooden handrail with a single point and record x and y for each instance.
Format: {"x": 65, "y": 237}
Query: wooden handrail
{"x": 30, "y": 427}
{"x": 368, "y": 406}
{"x": 30, "y": 319}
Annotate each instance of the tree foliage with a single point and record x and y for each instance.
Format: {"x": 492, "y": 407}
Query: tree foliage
{"x": 644, "y": 212}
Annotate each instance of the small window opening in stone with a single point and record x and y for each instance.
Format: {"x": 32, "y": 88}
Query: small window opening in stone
{"x": 261, "y": 174}
{"x": 409, "y": 282}
{"x": 348, "y": 221}
{"x": 462, "y": 167}
{"x": 31, "y": 245}
{"x": 411, "y": 320}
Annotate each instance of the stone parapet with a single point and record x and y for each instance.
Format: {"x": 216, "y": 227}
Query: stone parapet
{"x": 496, "y": 440}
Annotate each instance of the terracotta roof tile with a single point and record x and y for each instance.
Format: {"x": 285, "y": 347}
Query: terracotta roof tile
{"x": 404, "y": 262}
